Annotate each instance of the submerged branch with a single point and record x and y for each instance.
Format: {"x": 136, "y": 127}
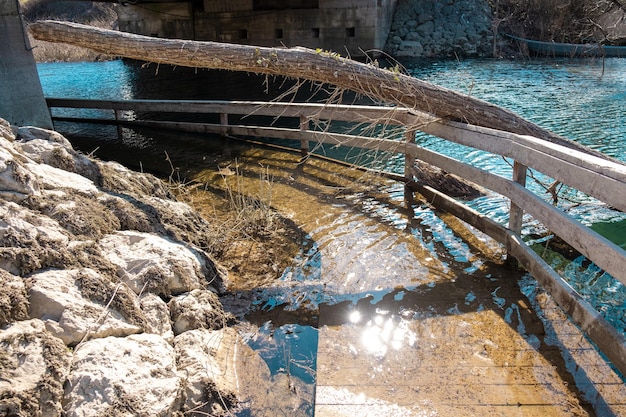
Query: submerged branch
{"x": 319, "y": 66}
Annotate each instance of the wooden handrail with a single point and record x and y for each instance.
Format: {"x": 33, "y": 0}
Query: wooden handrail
{"x": 599, "y": 178}
{"x": 565, "y": 165}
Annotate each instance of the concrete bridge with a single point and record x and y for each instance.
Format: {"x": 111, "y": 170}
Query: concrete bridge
{"x": 344, "y": 26}
{"x": 349, "y": 27}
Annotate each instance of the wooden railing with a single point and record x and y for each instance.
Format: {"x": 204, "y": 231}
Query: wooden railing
{"x": 594, "y": 176}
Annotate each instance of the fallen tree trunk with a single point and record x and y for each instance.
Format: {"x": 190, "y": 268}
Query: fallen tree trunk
{"x": 377, "y": 83}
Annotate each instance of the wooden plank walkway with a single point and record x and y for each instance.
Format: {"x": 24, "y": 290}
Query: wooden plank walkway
{"x": 471, "y": 347}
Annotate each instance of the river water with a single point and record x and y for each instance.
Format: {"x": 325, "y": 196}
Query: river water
{"x": 362, "y": 245}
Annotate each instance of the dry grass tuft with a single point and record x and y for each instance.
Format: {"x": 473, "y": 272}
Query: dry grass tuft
{"x": 91, "y": 13}
{"x": 569, "y": 21}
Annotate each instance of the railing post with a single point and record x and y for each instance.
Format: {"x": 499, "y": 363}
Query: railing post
{"x": 117, "y": 124}
{"x": 225, "y": 141}
{"x": 409, "y": 137}
{"x": 304, "y": 143}
{"x": 516, "y": 214}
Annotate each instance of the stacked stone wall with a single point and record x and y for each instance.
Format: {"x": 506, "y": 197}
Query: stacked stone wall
{"x": 441, "y": 28}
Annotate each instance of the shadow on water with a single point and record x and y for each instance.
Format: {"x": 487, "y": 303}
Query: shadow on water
{"x": 366, "y": 262}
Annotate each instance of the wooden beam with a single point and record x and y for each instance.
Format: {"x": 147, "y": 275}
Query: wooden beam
{"x": 516, "y": 213}
{"x": 599, "y": 178}
{"x": 325, "y": 67}
{"x": 602, "y": 333}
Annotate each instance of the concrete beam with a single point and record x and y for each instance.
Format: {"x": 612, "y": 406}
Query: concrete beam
{"x": 21, "y": 96}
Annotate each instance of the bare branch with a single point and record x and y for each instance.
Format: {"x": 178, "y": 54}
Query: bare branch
{"x": 387, "y": 85}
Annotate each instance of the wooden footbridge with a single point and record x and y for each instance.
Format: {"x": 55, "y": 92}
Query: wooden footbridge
{"x": 480, "y": 387}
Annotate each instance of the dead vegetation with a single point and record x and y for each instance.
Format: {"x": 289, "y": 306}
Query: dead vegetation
{"x": 568, "y": 21}
{"x": 96, "y": 14}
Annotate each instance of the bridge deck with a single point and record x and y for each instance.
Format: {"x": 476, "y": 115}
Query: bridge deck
{"x": 454, "y": 355}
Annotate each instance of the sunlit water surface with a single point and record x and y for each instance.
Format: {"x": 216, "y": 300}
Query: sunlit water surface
{"x": 380, "y": 249}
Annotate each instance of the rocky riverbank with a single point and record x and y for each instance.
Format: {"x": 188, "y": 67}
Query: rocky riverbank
{"x": 110, "y": 305}
{"x": 441, "y": 28}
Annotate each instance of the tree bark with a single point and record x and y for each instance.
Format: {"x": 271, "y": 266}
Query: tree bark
{"x": 320, "y": 66}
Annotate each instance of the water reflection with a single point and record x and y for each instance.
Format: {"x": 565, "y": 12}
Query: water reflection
{"x": 386, "y": 331}
{"x": 289, "y": 349}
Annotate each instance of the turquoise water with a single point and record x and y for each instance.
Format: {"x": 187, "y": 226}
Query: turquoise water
{"x": 98, "y": 80}
{"x": 583, "y": 100}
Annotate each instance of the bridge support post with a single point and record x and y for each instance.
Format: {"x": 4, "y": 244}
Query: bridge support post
{"x": 516, "y": 214}
{"x": 22, "y": 102}
{"x": 304, "y": 144}
{"x": 409, "y": 137}
{"x": 225, "y": 140}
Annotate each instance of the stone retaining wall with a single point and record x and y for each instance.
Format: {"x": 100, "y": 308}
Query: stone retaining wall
{"x": 441, "y": 28}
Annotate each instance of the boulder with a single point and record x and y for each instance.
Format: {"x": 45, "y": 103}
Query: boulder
{"x": 52, "y": 178}
{"x": 72, "y": 304}
{"x": 426, "y": 28}
{"x": 30, "y": 241}
{"x": 128, "y": 215}
{"x": 147, "y": 262}
{"x": 16, "y": 182}
{"x": 198, "y": 309}
{"x": 157, "y": 316}
{"x": 30, "y": 133}
{"x": 33, "y": 368}
{"x": 6, "y": 131}
{"x": 118, "y": 179}
{"x": 83, "y": 217}
{"x": 50, "y": 158}
{"x": 410, "y": 49}
{"x": 130, "y": 376}
{"x": 50, "y": 148}
{"x": 13, "y": 298}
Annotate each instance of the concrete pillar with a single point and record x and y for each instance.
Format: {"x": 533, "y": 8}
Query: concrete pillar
{"x": 21, "y": 97}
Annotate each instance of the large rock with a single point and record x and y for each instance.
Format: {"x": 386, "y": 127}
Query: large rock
{"x": 72, "y": 304}
{"x": 410, "y": 49}
{"x": 157, "y": 316}
{"x": 52, "y": 178}
{"x": 152, "y": 263}
{"x": 131, "y": 376}
{"x": 116, "y": 178}
{"x": 82, "y": 216}
{"x": 6, "y": 131}
{"x": 13, "y": 298}
{"x": 51, "y": 148}
{"x": 198, "y": 309}
{"x": 16, "y": 181}
{"x": 29, "y": 241}
{"x": 33, "y": 368}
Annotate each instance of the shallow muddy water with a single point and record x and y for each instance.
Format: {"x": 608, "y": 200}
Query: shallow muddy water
{"x": 376, "y": 282}
{"x": 394, "y": 280}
